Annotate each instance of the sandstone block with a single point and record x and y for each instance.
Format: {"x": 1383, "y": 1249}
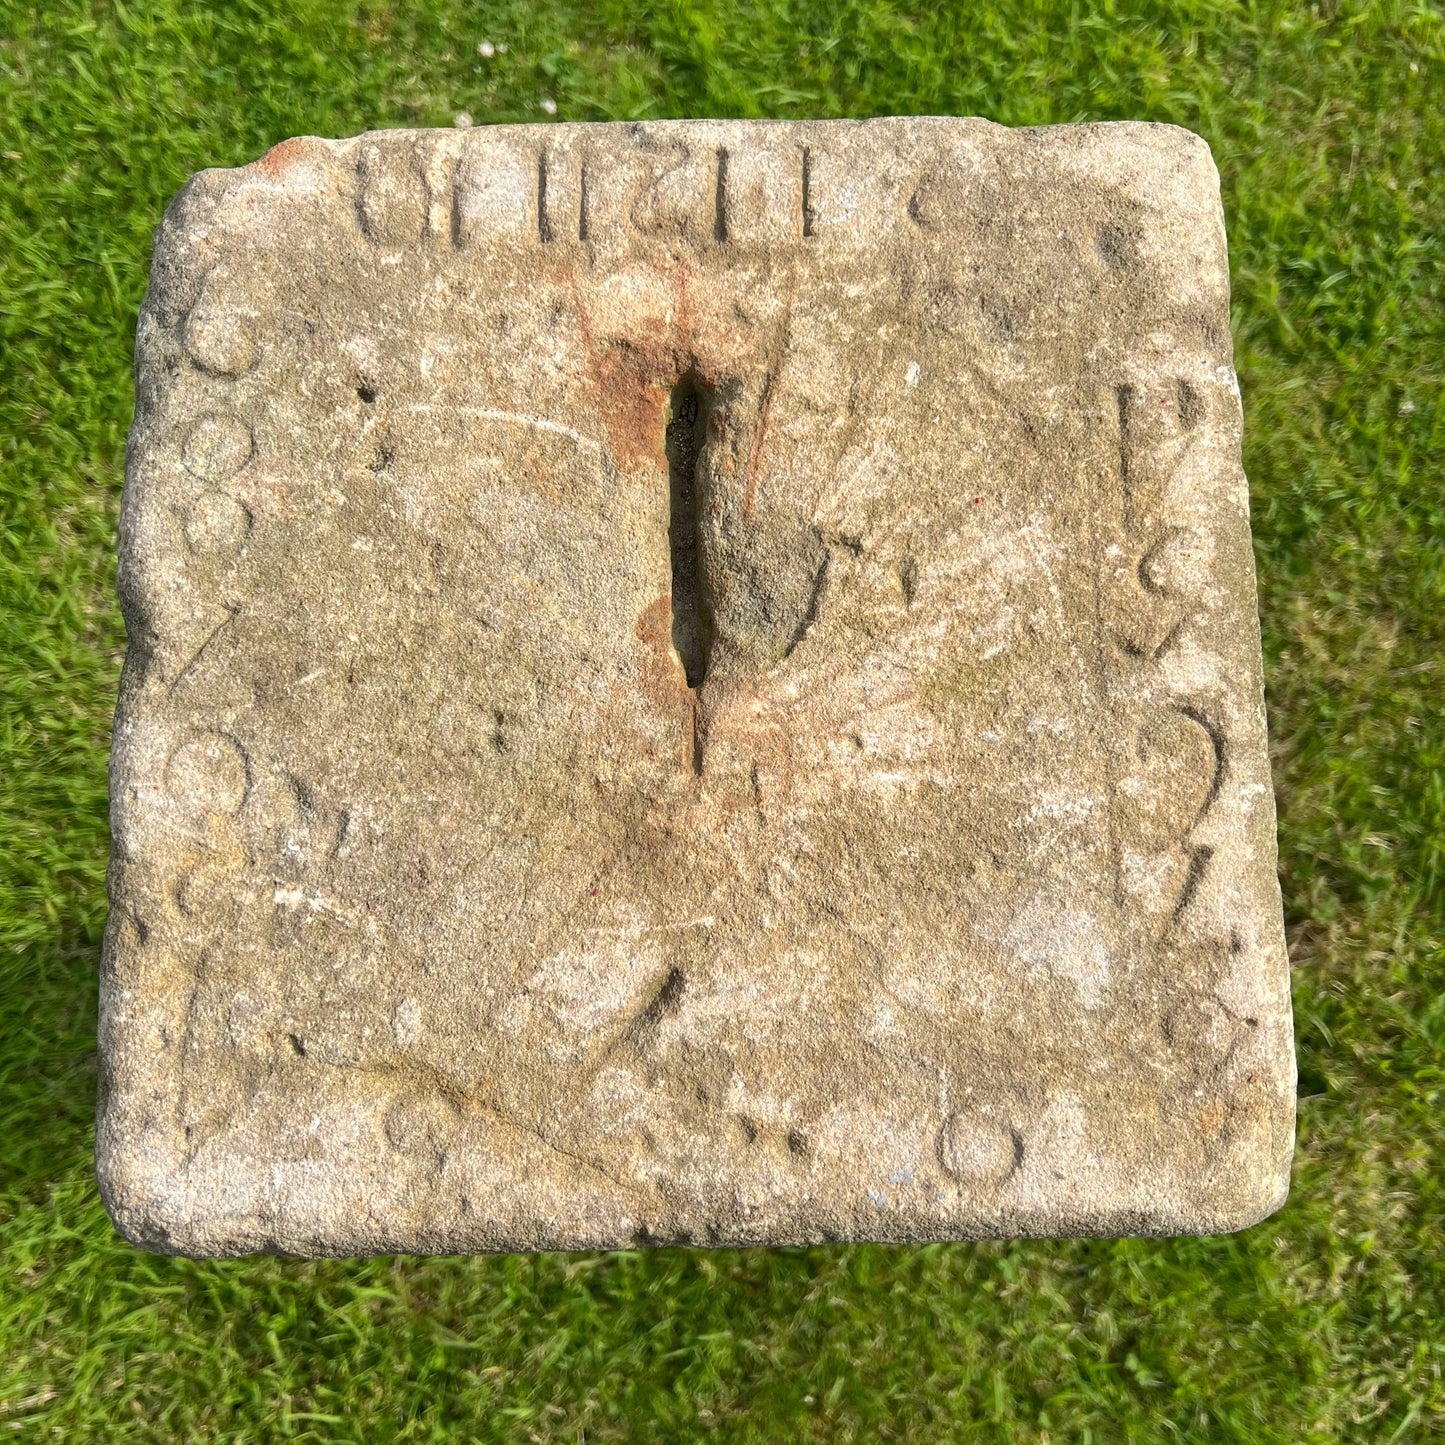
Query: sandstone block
{"x": 694, "y": 681}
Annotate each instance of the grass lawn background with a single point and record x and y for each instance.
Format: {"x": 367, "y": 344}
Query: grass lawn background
{"x": 1326, "y": 1322}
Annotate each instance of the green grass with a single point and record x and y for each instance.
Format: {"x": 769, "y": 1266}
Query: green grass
{"x": 1326, "y": 1322}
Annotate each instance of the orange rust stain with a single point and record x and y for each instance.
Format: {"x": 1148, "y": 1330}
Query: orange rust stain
{"x": 707, "y": 357}
{"x": 633, "y": 376}
{"x": 663, "y": 679}
{"x": 755, "y": 452}
{"x": 281, "y": 160}
{"x": 662, "y": 676}
{"x": 683, "y": 322}
{"x": 1211, "y": 1119}
{"x": 632, "y": 384}
{"x": 630, "y": 396}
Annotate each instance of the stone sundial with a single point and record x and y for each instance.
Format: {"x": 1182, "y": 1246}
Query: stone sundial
{"x": 691, "y": 682}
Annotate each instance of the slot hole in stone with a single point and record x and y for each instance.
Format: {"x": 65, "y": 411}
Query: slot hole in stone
{"x": 688, "y": 411}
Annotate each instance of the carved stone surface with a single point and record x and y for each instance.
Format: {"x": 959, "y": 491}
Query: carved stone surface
{"x": 693, "y": 681}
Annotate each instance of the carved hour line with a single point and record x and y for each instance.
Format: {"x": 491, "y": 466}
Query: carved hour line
{"x": 755, "y": 452}
{"x": 810, "y": 613}
{"x": 665, "y": 1001}
{"x": 720, "y": 210}
{"x": 544, "y": 229}
{"x": 807, "y": 191}
{"x": 582, "y": 205}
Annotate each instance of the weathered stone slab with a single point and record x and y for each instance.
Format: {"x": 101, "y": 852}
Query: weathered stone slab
{"x": 693, "y": 681}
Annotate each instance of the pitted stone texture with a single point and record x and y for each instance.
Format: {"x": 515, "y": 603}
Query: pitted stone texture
{"x": 446, "y": 914}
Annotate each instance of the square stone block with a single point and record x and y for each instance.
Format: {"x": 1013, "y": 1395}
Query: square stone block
{"x": 691, "y": 682}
